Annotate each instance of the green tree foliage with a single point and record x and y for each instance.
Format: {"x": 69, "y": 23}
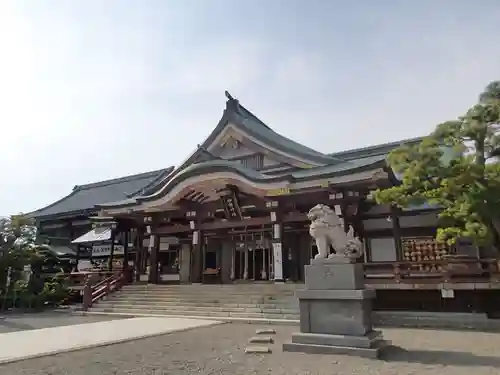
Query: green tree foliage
{"x": 17, "y": 250}
{"x": 456, "y": 168}
{"x": 17, "y": 238}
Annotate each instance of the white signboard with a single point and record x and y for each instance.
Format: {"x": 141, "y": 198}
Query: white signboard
{"x": 105, "y": 250}
{"x": 278, "y": 261}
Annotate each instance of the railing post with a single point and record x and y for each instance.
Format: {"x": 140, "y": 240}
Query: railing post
{"x": 107, "y": 287}
{"x": 397, "y": 272}
{"x": 87, "y": 293}
{"x": 445, "y": 271}
{"x": 122, "y": 280}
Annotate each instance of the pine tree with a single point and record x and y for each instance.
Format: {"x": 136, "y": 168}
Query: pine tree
{"x": 456, "y": 168}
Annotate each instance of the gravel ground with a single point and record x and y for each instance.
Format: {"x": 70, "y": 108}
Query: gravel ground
{"x": 220, "y": 350}
{"x": 23, "y": 322}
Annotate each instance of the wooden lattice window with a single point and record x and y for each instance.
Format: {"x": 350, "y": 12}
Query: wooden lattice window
{"x": 253, "y": 161}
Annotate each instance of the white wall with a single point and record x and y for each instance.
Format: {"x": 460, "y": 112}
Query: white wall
{"x": 383, "y": 249}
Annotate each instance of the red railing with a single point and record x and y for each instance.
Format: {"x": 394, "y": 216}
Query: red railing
{"x": 93, "y": 293}
{"x": 76, "y": 280}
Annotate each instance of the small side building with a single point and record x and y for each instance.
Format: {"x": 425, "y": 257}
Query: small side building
{"x": 67, "y": 219}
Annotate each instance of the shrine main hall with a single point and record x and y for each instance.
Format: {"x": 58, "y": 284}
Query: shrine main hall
{"x": 236, "y": 211}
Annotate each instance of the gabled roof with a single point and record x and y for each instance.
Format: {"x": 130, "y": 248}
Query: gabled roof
{"x": 85, "y": 197}
{"x": 240, "y": 117}
{"x": 131, "y": 189}
{"x": 237, "y": 115}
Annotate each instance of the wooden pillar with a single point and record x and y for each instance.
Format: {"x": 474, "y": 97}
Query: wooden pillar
{"x": 139, "y": 253}
{"x": 77, "y": 257}
{"x": 245, "y": 271}
{"x": 112, "y": 253}
{"x": 197, "y": 252}
{"x": 276, "y": 219}
{"x": 154, "y": 246}
{"x": 263, "y": 273}
{"x": 345, "y": 218}
{"x": 233, "y": 260}
{"x": 125, "y": 253}
{"x": 185, "y": 263}
{"x": 396, "y": 229}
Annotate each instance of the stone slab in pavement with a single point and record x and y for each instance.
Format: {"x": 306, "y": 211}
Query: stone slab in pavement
{"x": 261, "y": 340}
{"x": 265, "y": 331}
{"x": 257, "y": 350}
{"x": 28, "y": 344}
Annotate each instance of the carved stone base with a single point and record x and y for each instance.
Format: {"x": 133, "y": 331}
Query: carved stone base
{"x": 369, "y": 345}
{"x": 335, "y": 312}
{"x": 325, "y": 274}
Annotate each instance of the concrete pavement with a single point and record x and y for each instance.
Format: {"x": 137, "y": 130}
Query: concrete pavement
{"x": 16, "y": 346}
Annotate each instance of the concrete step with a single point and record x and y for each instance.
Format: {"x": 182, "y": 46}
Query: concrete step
{"x": 221, "y": 294}
{"x": 251, "y": 301}
{"x": 211, "y": 299}
{"x": 127, "y": 301}
{"x": 145, "y": 311}
{"x": 107, "y": 305}
{"x": 240, "y": 302}
{"x": 223, "y": 291}
{"x": 205, "y": 299}
{"x": 285, "y": 286}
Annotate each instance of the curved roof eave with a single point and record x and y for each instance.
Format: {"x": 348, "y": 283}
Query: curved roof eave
{"x": 122, "y": 203}
{"x": 212, "y": 166}
{"x": 215, "y": 166}
{"x": 339, "y": 169}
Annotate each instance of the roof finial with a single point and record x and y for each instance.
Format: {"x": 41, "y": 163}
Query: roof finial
{"x": 232, "y": 104}
{"x": 228, "y": 95}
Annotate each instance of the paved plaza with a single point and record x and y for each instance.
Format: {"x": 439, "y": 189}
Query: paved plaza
{"x": 27, "y": 344}
{"x": 220, "y": 350}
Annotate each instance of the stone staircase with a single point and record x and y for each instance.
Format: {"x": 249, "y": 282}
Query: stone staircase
{"x": 248, "y": 302}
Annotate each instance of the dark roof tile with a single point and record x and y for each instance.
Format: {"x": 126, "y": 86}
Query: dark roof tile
{"x": 86, "y": 197}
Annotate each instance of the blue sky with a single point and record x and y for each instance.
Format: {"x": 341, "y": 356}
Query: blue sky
{"x": 93, "y": 89}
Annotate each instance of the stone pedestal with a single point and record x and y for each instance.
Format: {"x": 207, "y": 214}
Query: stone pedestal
{"x": 335, "y": 311}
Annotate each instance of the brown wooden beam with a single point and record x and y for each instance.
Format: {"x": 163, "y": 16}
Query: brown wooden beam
{"x": 396, "y": 232}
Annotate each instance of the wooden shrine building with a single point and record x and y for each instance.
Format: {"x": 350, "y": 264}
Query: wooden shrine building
{"x": 235, "y": 211}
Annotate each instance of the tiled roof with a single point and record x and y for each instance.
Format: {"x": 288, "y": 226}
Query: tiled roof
{"x": 211, "y": 166}
{"x": 85, "y": 197}
{"x": 124, "y": 190}
{"x": 372, "y": 151}
{"x": 256, "y": 127}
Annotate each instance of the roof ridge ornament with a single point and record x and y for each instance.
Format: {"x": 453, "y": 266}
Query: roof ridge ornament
{"x": 232, "y": 103}
{"x": 228, "y": 95}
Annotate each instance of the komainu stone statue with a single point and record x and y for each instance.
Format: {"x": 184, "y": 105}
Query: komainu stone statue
{"x": 327, "y": 230}
{"x": 335, "y": 306}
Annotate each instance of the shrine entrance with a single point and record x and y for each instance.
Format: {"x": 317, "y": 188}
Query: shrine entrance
{"x": 253, "y": 257}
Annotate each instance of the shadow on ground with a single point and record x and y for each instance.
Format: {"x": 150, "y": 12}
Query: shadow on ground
{"x": 439, "y": 357}
{"x": 12, "y": 325}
